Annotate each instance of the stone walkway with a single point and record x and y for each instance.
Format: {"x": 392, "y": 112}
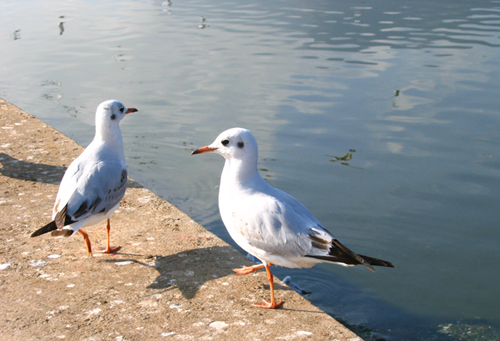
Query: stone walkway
{"x": 171, "y": 280}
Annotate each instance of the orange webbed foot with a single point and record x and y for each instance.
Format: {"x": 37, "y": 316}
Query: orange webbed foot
{"x": 248, "y": 269}
{"x": 111, "y": 249}
{"x": 268, "y": 305}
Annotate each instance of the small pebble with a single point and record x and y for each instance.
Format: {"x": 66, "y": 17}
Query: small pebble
{"x": 218, "y": 325}
{"x": 126, "y": 262}
{"x": 4, "y": 266}
{"x": 37, "y": 263}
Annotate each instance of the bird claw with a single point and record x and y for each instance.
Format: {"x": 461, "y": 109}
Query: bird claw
{"x": 248, "y": 269}
{"x": 268, "y": 305}
{"x": 111, "y": 249}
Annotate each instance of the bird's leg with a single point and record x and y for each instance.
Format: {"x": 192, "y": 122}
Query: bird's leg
{"x": 109, "y": 249}
{"x": 273, "y": 304}
{"x": 87, "y": 242}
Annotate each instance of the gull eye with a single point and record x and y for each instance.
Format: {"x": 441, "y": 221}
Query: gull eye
{"x": 121, "y": 109}
{"x": 241, "y": 144}
{"x": 113, "y": 116}
{"x": 225, "y": 142}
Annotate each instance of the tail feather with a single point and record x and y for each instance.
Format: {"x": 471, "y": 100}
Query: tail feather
{"x": 361, "y": 260}
{"x": 47, "y": 228}
{"x": 339, "y": 253}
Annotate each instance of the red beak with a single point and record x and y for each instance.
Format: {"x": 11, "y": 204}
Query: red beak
{"x": 202, "y": 150}
{"x": 129, "y": 110}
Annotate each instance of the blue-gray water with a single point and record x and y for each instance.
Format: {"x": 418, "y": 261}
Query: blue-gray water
{"x": 409, "y": 88}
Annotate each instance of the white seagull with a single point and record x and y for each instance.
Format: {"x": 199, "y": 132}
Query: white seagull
{"x": 95, "y": 182}
{"x": 267, "y": 222}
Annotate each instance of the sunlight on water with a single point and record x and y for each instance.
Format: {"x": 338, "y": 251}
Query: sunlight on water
{"x": 380, "y": 117}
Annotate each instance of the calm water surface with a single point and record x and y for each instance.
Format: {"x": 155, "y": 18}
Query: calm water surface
{"x": 382, "y": 117}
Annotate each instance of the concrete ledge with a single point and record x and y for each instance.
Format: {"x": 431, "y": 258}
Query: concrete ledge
{"x": 172, "y": 279}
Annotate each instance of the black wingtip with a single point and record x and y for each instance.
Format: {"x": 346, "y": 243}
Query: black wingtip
{"x": 47, "y": 228}
{"x": 358, "y": 258}
{"x": 338, "y": 253}
{"x": 378, "y": 262}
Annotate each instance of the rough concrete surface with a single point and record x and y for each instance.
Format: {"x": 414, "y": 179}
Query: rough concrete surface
{"x": 171, "y": 280}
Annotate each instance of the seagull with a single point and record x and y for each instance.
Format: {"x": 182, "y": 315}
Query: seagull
{"x": 269, "y": 223}
{"x": 95, "y": 182}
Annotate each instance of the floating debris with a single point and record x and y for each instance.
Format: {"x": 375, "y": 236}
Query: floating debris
{"x": 469, "y": 331}
{"x": 202, "y": 24}
{"x": 16, "y": 35}
{"x": 343, "y": 159}
{"x": 51, "y": 82}
{"x": 61, "y": 28}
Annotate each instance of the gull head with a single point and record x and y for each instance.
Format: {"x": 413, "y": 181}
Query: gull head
{"x": 109, "y": 114}
{"x": 234, "y": 143}
{"x": 112, "y": 111}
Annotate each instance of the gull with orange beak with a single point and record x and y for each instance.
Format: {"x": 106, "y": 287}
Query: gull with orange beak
{"x": 269, "y": 223}
{"x": 95, "y": 182}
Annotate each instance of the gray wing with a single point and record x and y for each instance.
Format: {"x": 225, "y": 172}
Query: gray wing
{"x": 279, "y": 224}
{"x": 98, "y": 190}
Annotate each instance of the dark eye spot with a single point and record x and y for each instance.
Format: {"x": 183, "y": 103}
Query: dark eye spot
{"x": 241, "y": 144}
{"x": 121, "y": 109}
{"x": 225, "y": 142}
{"x": 113, "y": 116}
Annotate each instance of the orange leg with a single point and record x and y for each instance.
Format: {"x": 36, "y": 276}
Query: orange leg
{"x": 273, "y": 304}
{"x": 87, "y": 242}
{"x": 109, "y": 249}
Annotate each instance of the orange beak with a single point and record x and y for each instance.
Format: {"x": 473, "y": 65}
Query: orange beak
{"x": 129, "y": 110}
{"x": 202, "y": 150}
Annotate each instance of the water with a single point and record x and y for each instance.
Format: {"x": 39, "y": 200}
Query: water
{"x": 381, "y": 117}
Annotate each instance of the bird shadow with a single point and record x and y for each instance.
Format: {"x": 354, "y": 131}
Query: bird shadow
{"x": 189, "y": 270}
{"x": 30, "y": 171}
{"x": 38, "y": 172}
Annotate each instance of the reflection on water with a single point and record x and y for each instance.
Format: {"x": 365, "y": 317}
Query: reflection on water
{"x": 411, "y": 87}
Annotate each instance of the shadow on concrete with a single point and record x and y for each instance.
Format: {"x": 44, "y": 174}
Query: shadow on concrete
{"x": 189, "y": 270}
{"x": 30, "y": 171}
{"x": 38, "y": 172}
